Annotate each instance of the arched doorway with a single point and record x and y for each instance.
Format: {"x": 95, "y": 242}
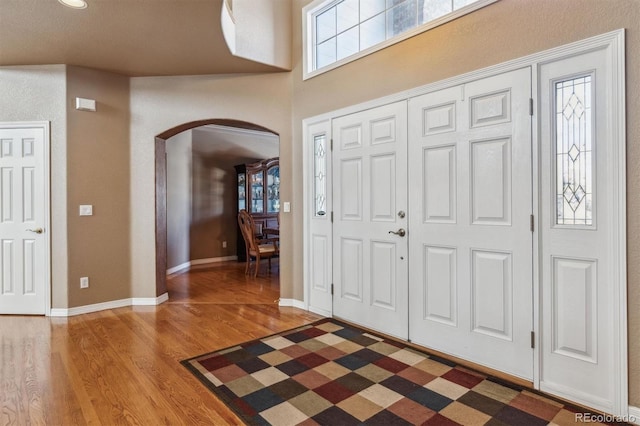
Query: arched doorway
{"x": 161, "y": 187}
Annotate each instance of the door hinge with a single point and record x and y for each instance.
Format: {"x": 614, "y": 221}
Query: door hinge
{"x": 533, "y": 340}
{"x": 331, "y": 145}
{"x": 332, "y": 289}
{"x": 532, "y": 222}
{"x": 331, "y": 216}
{"x": 531, "y": 106}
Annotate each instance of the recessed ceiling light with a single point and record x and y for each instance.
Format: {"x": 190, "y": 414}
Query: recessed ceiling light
{"x": 74, "y": 4}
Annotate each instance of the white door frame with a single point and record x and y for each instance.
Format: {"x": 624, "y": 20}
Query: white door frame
{"x": 45, "y": 127}
{"x": 613, "y": 43}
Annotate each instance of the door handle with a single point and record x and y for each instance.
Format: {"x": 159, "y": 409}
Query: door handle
{"x": 400, "y": 232}
{"x": 37, "y": 230}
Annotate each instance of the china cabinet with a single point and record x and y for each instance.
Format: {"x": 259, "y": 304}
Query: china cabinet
{"x": 258, "y": 192}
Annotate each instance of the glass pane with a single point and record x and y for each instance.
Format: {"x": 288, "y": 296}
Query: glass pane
{"x": 348, "y": 43}
{"x": 257, "y": 193}
{"x": 368, "y": 8}
{"x": 458, "y": 4}
{"x": 326, "y": 53}
{"x": 372, "y": 32}
{"x": 273, "y": 190}
{"x": 574, "y": 167}
{"x": 242, "y": 195}
{"x": 401, "y": 18}
{"x": 325, "y": 25}
{"x": 347, "y": 14}
{"x": 430, "y": 10}
{"x": 320, "y": 174}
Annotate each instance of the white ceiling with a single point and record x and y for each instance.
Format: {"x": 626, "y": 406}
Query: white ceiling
{"x": 130, "y": 37}
{"x": 233, "y": 145}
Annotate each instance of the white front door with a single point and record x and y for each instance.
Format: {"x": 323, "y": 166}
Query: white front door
{"x": 579, "y": 232}
{"x": 370, "y": 200}
{"x": 470, "y": 188}
{"x": 24, "y": 248}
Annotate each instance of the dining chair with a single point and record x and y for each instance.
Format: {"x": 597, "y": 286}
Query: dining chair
{"x": 257, "y": 249}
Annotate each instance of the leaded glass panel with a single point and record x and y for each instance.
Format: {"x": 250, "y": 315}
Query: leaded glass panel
{"x": 320, "y": 174}
{"x": 574, "y": 151}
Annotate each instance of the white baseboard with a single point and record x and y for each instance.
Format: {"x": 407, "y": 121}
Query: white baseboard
{"x": 134, "y": 301}
{"x": 185, "y": 267}
{"x": 178, "y": 268}
{"x": 580, "y": 397}
{"x": 634, "y": 415}
{"x": 292, "y": 302}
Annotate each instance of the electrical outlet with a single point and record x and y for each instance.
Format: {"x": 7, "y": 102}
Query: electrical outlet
{"x": 84, "y": 282}
{"x": 224, "y": 244}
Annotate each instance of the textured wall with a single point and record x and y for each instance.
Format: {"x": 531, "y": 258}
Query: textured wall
{"x": 98, "y": 174}
{"x": 161, "y": 103}
{"x": 505, "y": 30}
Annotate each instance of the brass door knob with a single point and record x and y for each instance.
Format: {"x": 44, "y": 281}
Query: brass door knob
{"x": 400, "y": 232}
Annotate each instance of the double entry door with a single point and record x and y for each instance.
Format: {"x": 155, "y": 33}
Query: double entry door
{"x": 431, "y": 235}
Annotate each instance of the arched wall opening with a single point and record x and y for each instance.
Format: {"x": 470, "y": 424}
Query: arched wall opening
{"x": 161, "y": 187}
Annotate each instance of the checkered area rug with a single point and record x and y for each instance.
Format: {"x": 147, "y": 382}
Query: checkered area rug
{"x": 330, "y": 373}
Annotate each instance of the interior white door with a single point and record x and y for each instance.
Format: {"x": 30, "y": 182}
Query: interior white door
{"x": 471, "y": 203}
{"x": 370, "y": 200}
{"x": 578, "y": 235}
{"x": 23, "y": 221}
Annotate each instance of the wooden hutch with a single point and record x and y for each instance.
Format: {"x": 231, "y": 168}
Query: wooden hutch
{"x": 258, "y": 191}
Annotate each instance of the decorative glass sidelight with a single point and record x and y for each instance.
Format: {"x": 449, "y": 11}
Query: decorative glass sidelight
{"x": 574, "y": 151}
{"x": 320, "y": 174}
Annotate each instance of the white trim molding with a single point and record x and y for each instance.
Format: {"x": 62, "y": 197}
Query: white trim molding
{"x": 114, "y": 304}
{"x": 187, "y": 266}
{"x": 292, "y": 303}
{"x": 634, "y": 415}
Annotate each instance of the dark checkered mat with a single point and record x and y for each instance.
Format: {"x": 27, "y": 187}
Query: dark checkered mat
{"x": 330, "y": 373}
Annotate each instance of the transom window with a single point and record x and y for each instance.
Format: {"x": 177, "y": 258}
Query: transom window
{"x": 339, "y": 31}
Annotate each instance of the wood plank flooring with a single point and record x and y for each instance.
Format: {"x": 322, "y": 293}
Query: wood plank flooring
{"x": 121, "y": 366}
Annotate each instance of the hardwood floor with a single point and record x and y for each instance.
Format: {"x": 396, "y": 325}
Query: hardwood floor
{"x": 121, "y": 366}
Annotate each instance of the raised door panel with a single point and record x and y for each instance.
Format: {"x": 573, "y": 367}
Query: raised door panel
{"x": 370, "y": 178}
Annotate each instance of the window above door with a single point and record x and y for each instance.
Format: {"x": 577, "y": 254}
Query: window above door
{"x": 337, "y": 32}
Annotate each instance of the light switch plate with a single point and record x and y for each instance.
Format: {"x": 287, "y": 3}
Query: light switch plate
{"x": 286, "y": 207}
{"x": 86, "y": 210}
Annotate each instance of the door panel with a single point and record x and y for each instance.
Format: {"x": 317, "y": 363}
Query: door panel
{"x": 577, "y": 207}
{"x": 317, "y": 263}
{"x": 23, "y": 253}
{"x": 370, "y": 176}
{"x": 470, "y": 190}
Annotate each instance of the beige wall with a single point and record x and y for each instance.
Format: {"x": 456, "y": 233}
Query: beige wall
{"x": 502, "y": 31}
{"x": 263, "y": 31}
{"x": 37, "y": 93}
{"x": 178, "y": 198}
{"x": 161, "y": 103}
{"x": 214, "y": 207}
{"x": 98, "y": 174}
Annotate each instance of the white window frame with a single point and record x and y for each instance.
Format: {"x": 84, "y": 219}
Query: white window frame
{"x": 308, "y": 34}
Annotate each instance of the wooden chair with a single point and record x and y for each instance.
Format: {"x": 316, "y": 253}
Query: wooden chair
{"x": 265, "y": 248}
